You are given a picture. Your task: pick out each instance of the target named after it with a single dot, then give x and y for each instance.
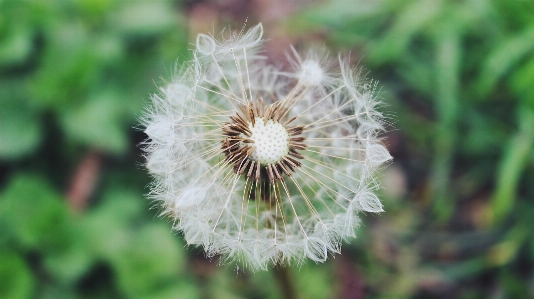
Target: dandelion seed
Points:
(261, 165)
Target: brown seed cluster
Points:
(238, 147)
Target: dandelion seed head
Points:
(262, 165)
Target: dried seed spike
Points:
(240, 116)
(298, 146)
(295, 161)
(282, 165)
(252, 116)
(251, 150)
(243, 128)
(273, 112)
(231, 158)
(276, 172)
(286, 110)
(267, 113)
(254, 106)
(244, 110)
(289, 164)
(295, 154)
(281, 114)
(290, 120)
(288, 159)
(251, 169)
(295, 133)
(244, 166)
(237, 167)
(247, 133)
(258, 169)
(240, 107)
(261, 107)
(291, 129)
(231, 132)
(297, 139)
(295, 130)
(297, 143)
(270, 172)
(239, 160)
(238, 121)
(276, 111)
(236, 155)
(227, 147)
(247, 113)
(257, 107)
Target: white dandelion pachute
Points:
(259, 164)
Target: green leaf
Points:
(143, 257)
(521, 83)
(16, 280)
(98, 123)
(15, 48)
(503, 58)
(182, 288)
(96, 7)
(20, 127)
(36, 214)
(72, 263)
(106, 228)
(69, 67)
(152, 256)
(336, 13)
(418, 72)
(413, 18)
(145, 17)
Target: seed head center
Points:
(270, 139)
(260, 144)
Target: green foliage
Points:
(458, 76)
(74, 75)
(20, 126)
(103, 113)
(36, 214)
(313, 281)
(16, 280)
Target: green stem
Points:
(285, 282)
(447, 62)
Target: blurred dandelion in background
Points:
(264, 165)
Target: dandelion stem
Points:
(84, 182)
(512, 165)
(283, 277)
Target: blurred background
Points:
(457, 79)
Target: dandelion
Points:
(259, 164)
